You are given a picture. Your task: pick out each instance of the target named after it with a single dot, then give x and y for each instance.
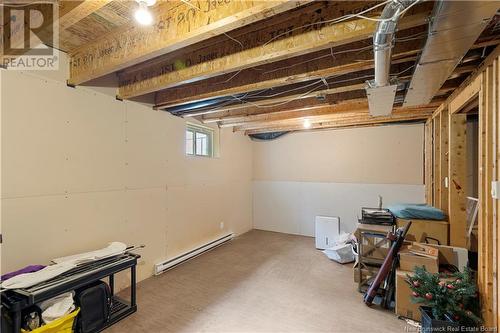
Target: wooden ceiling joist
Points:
(317, 113)
(302, 109)
(217, 114)
(342, 121)
(177, 26)
(79, 12)
(271, 105)
(70, 12)
(248, 81)
(206, 91)
(160, 77)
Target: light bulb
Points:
(142, 14)
(307, 123)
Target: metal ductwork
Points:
(453, 29)
(382, 90)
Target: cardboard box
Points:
(404, 306)
(408, 261)
(448, 255)
(421, 230)
(455, 256)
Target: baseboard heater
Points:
(171, 263)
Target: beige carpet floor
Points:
(260, 282)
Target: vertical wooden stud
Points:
(428, 163)
(458, 179)
(443, 164)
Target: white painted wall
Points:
(291, 207)
(335, 173)
(81, 169)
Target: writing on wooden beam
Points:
(157, 76)
(177, 25)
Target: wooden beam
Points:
(470, 81)
(458, 179)
(465, 96)
(162, 97)
(436, 139)
(283, 73)
(232, 109)
(317, 113)
(271, 105)
(496, 175)
(342, 116)
(78, 13)
(357, 121)
(301, 111)
(487, 162)
(177, 26)
(156, 78)
(70, 12)
(428, 157)
(443, 158)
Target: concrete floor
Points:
(260, 282)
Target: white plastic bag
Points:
(340, 253)
(57, 307)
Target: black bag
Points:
(94, 301)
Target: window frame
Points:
(197, 129)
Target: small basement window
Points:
(199, 141)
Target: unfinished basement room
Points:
(244, 166)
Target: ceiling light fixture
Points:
(142, 15)
(307, 123)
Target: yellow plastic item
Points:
(61, 325)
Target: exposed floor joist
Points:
(328, 36)
(178, 26)
(70, 12)
(254, 80)
(341, 121)
(289, 102)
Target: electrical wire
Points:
(320, 82)
(333, 21)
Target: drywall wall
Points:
(81, 169)
(291, 207)
(380, 155)
(335, 173)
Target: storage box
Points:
(422, 230)
(448, 255)
(408, 261)
(404, 306)
(455, 256)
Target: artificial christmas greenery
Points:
(454, 295)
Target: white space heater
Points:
(173, 262)
(327, 229)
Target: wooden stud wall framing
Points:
(436, 175)
(429, 186)
(443, 159)
(457, 171)
(445, 156)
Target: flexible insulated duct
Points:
(380, 91)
